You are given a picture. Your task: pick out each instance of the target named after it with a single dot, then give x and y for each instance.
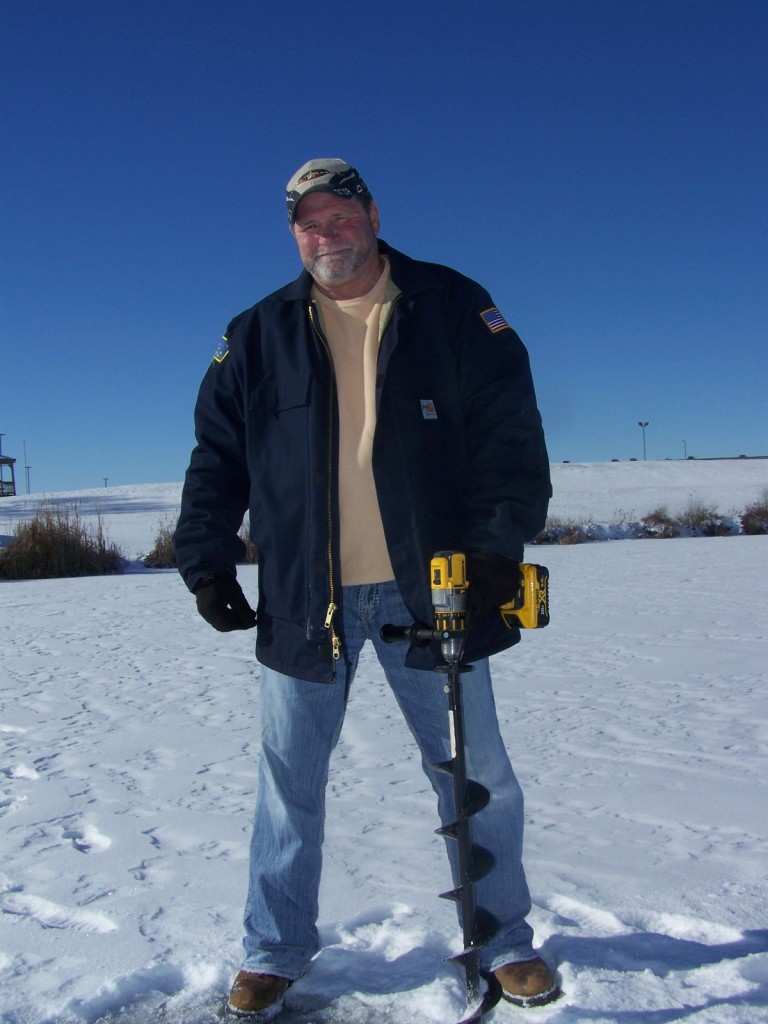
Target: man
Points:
(374, 411)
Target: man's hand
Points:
(492, 581)
(221, 602)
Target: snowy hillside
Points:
(637, 723)
(604, 493)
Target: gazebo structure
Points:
(7, 476)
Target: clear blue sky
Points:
(601, 166)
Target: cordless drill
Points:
(528, 609)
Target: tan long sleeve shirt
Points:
(353, 328)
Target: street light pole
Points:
(643, 424)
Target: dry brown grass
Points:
(754, 519)
(659, 523)
(251, 554)
(162, 555)
(56, 543)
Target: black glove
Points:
(221, 602)
(492, 581)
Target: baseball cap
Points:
(327, 175)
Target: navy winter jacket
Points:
(459, 458)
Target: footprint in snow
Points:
(20, 771)
(688, 953)
(87, 839)
(52, 915)
(9, 804)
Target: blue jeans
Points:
(300, 724)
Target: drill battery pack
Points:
(529, 609)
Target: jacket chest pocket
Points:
(278, 418)
(276, 396)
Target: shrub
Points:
(55, 543)
(697, 515)
(561, 531)
(624, 517)
(162, 555)
(251, 554)
(754, 519)
(703, 520)
(659, 523)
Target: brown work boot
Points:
(258, 997)
(530, 983)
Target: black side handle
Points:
(417, 633)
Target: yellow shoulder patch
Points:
(222, 351)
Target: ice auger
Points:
(529, 609)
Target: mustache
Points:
(325, 251)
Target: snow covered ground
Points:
(637, 723)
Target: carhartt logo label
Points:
(428, 410)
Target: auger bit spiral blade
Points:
(476, 795)
(490, 998)
(486, 926)
(481, 861)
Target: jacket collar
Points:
(408, 274)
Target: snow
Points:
(637, 723)
(628, 490)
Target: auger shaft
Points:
(529, 609)
(466, 887)
(473, 861)
(449, 585)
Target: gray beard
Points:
(342, 267)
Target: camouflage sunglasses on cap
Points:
(332, 175)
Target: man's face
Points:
(337, 243)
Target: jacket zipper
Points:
(332, 605)
(390, 313)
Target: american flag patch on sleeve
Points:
(494, 320)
